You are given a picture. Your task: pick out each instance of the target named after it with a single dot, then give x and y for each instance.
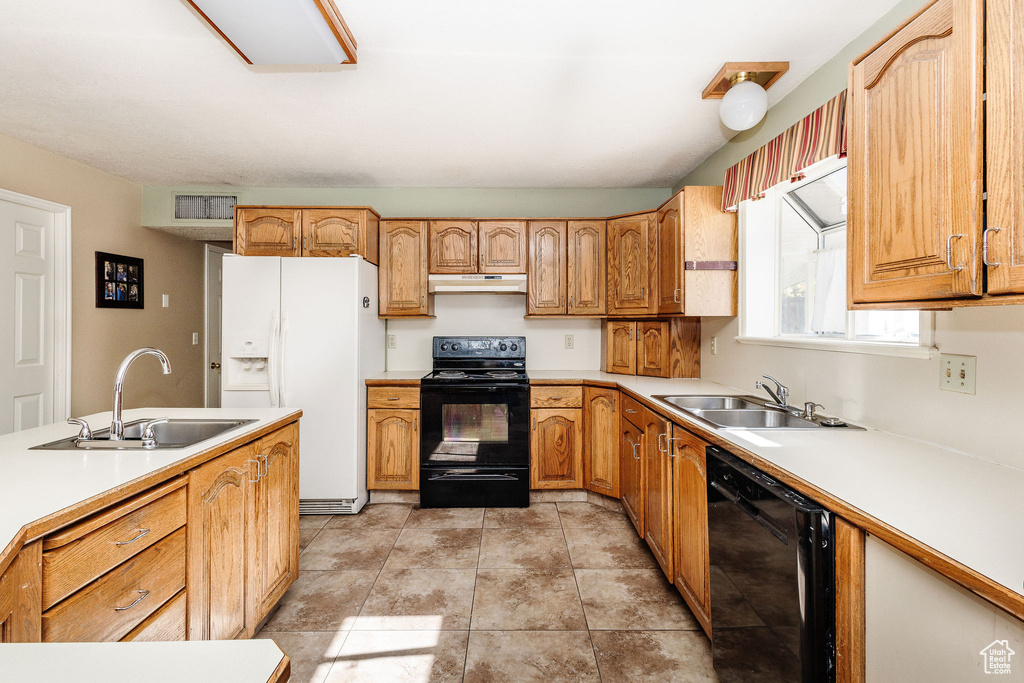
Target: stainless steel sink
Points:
(175, 433)
(754, 419)
(713, 402)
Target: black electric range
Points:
(475, 413)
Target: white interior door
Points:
(214, 306)
(27, 305)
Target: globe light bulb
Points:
(744, 105)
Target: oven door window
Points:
(475, 423)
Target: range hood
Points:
(483, 283)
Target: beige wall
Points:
(105, 216)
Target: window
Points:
(795, 238)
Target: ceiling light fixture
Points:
(741, 86)
(281, 31)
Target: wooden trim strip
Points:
(339, 28)
(219, 32)
(283, 672)
(850, 596)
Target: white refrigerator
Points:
(304, 333)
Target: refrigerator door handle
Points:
(273, 360)
(281, 389)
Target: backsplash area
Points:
(900, 395)
(496, 315)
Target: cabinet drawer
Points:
(91, 548)
(165, 624)
(632, 411)
(109, 608)
(393, 397)
(556, 397)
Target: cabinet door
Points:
(546, 279)
(620, 343)
(219, 499)
(556, 449)
(690, 508)
(1004, 129)
(630, 258)
(274, 565)
(915, 160)
(601, 445)
(21, 597)
(652, 349)
(452, 247)
(393, 449)
(709, 234)
(658, 462)
(403, 268)
(502, 247)
(670, 256)
(631, 472)
(587, 278)
(333, 232)
(268, 231)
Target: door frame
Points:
(207, 248)
(61, 297)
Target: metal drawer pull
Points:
(142, 532)
(949, 252)
(556, 398)
(394, 398)
(142, 596)
(984, 247)
(630, 411)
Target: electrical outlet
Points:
(195, 339)
(570, 341)
(392, 341)
(957, 373)
(714, 346)
(167, 300)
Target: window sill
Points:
(843, 346)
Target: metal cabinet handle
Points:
(142, 532)
(660, 448)
(675, 295)
(613, 405)
(415, 424)
(641, 292)
(949, 252)
(634, 445)
(423, 301)
(142, 596)
(984, 247)
(534, 423)
(258, 474)
(295, 243)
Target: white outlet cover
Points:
(167, 300)
(570, 341)
(958, 373)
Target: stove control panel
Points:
(480, 347)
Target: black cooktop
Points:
(479, 359)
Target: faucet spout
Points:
(116, 425)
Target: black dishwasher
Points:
(772, 577)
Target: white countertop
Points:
(36, 484)
(964, 507)
(216, 661)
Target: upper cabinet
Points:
(502, 247)
(546, 274)
(915, 156)
(403, 269)
(306, 231)
(586, 261)
(631, 257)
(453, 247)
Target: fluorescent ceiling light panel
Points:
(281, 31)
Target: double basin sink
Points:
(175, 433)
(742, 412)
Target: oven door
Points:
(473, 426)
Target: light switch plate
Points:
(195, 339)
(957, 373)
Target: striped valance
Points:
(817, 136)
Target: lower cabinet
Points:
(658, 464)
(601, 441)
(690, 519)
(556, 448)
(632, 449)
(21, 597)
(393, 449)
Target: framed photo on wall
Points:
(119, 281)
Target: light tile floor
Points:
(553, 592)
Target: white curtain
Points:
(829, 314)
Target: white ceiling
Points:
(447, 93)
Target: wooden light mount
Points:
(763, 73)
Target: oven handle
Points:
(473, 477)
(751, 511)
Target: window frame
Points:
(753, 300)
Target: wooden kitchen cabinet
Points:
(586, 267)
(502, 247)
(601, 441)
(632, 257)
(21, 597)
(545, 294)
(274, 523)
(453, 247)
(268, 231)
(691, 574)
(915, 160)
(653, 348)
(658, 465)
(556, 448)
(620, 347)
(403, 269)
(341, 231)
(632, 470)
(393, 449)
(656, 348)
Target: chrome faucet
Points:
(116, 426)
(780, 396)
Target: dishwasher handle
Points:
(751, 511)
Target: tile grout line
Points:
(579, 592)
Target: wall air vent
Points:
(204, 207)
